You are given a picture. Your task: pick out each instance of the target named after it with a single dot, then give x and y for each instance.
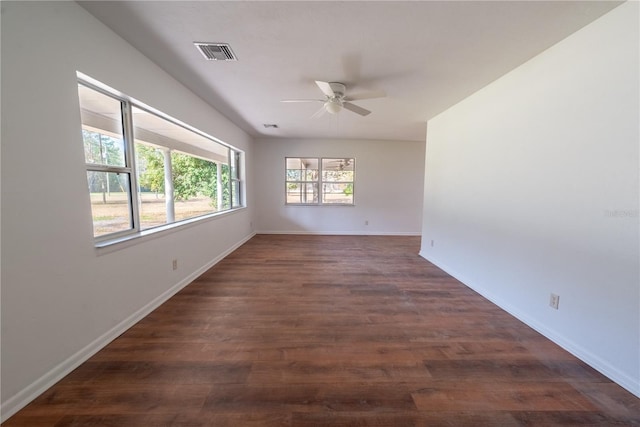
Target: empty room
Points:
(320, 213)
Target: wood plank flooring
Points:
(331, 331)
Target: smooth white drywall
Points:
(531, 187)
(388, 189)
(59, 294)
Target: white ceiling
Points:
(425, 55)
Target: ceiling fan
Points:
(336, 99)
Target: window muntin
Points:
(317, 181)
(178, 173)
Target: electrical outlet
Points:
(174, 264)
(366, 222)
(432, 243)
(554, 301)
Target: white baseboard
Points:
(605, 368)
(35, 389)
(346, 233)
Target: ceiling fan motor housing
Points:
(333, 104)
(338, 89)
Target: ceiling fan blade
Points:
(366, 95)
(358, 110)
(325, 88)
(302, 100)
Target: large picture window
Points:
(319, 181)
(145, 170)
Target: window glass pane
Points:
(151, 201)
(302, 193)
(155, 130)
(194, 185)
(293, 163)
(310, 168)
(337, 176)
(294, 175)
(235, 160)
(226, 195)
(236, 197)
(101, 128)
(194, 170)
(301, 169)
(110, 202)
(301, 163)
(235, 192)
(101, 149)
(310, 164)
(338, 170)
(335, 193)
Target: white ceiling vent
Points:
(216, 51)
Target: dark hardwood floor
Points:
(331, 331)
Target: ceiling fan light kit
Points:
(333, 106)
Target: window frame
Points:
(130, 167)
(194, 154)
(129, 161)
(319, 182)
(235, 180)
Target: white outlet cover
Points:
(554, 301)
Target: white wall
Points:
(61, 298)
(531, 187)
(388, 189)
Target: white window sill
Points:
(316, 205)
(121, 242)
